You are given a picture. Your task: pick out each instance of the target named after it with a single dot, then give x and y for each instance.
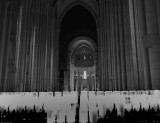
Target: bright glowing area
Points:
(57, 106)
(85, 74)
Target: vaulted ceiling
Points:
(82, 52)
(77, 21)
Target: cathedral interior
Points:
(63, 45)
(80, 60)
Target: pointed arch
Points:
(80, 43)
(64, 9)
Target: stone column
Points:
(134, 66)
(152, 30)
(123, 82)
(101, 48)
(139, 21)
(55, 33)
(129, 40)
(104, 32)
(3, 39)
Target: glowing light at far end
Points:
(85, 74)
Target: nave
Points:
(92, 106)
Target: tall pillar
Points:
(103, 36)
(26, 76)
(109, 79)
(56, 47)
(130, 51)
(139, 32)
(112, 79)
(123, 81)
(45, 73)
(117, 51)
(100, 48)
(49, 46)
(54, 53)
(99, 66)
(114, 55)
(7, 47)
(33, 62)
(134, 66)
(36, 27)
(28, 36)
(106, 30)
(2, 43)
(152, 29)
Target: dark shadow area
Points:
(149, 115)
(142, 115)
(23, 115)
(77, 18)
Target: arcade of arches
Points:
(82, 64)
(55, 45)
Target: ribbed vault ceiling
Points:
(78, 21)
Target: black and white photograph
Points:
(79, 61)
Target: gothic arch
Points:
(66, 7)
(82, 57)
(82, 38)
(82, 41)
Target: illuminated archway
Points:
(77, 21)
(82, 63)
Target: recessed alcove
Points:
(77, 22)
